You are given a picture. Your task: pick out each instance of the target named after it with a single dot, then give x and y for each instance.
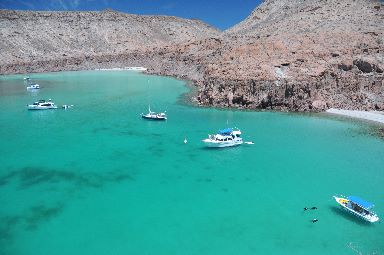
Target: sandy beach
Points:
(375, 116)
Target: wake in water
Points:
(356, 250)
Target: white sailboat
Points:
(154, 115)
(31, 85)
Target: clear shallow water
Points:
(97, 179)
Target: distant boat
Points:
(224, 138)
(42, 105)
(358, 207)
(31, 85)
(153, 115)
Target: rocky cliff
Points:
(307, 55)
(304, 55)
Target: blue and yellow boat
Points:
(358, 207)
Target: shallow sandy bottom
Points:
(372, 115)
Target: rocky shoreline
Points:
(287, 56)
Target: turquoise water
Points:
(97, 179)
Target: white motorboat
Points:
(224, 138)
(42, 105)
(358, 207)
(153, 115)
(31, 85)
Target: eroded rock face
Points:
(305, 55)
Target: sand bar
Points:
(371, 115)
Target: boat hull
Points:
(153, 118)
(215, 144)
(343, 202)
(33, 87)
(34, 107)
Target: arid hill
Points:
(32, 37)
(304, 55)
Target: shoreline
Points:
(127, 68)
(375, 116)
(372, 116)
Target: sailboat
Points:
(31, 85)
(154, 115)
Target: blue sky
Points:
(219, 13)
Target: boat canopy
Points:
(361, 202)
(226, 131)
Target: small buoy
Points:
(67, 106)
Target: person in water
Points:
(312, 208)
(314, 220)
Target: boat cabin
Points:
(359, 205)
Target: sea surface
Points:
(98, 179)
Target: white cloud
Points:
(28, 4)
(74, 4)
(59, 4)
(168, 6)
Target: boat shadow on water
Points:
(342, 213)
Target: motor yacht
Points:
(224, 138)
(42, 105)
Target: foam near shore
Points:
(375, 116)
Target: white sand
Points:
(128, 68)
(372, 115)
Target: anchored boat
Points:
(224, 138)
(31, 85)
(42, 105)
(153, 115)
(358, 207)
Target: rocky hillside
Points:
(41, 36)
(304, 55)
(274, 17)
